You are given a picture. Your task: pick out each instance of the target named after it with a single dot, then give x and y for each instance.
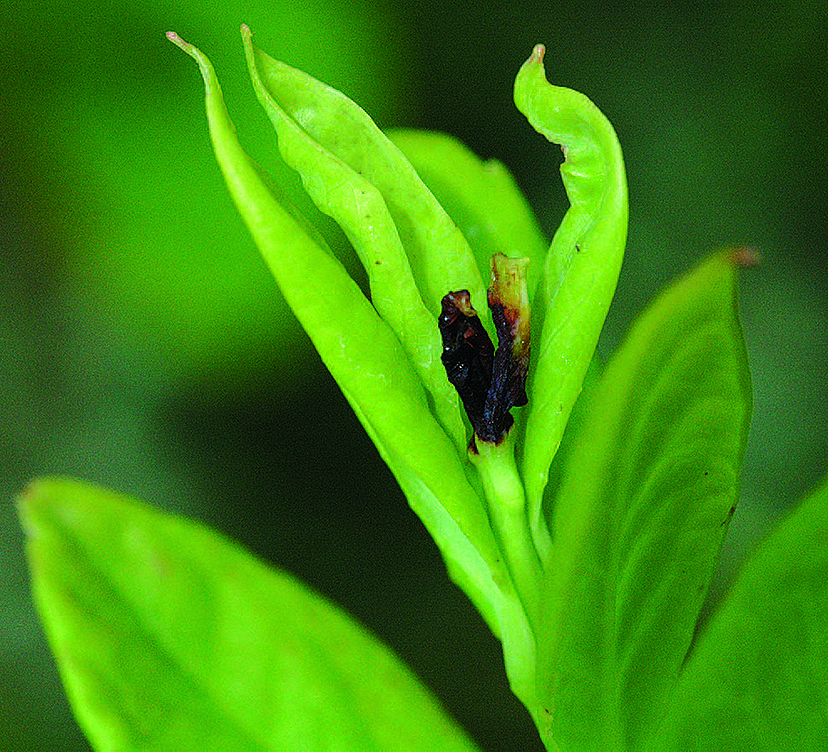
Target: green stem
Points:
(506, 501)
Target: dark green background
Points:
(145, 347)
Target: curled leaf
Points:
(580, 271)
(355, 200)
(381, 362)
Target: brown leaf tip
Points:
(745, 257)
(538, 51)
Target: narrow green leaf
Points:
(358, 347)
(647, 493)
(360, 210)
(480, 196)
(758, 678)
(580, 271)
(170, 637)
(438, 253)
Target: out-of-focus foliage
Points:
(108, 302)
(170, 636)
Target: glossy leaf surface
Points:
(169, 636)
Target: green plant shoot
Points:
(581, 507)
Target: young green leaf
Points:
(169, 636)
(579, 274)
(481, 197)
(438, 253)
(360, 349)
(647, 492)
(357, 346)
(358, 206)
(758, 678)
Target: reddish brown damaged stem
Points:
(489, 383)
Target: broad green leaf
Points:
(480, 196)
(170, 637)
(439, 255)
(360, 210)
(648, 490)
(580, 271)
(758, 678)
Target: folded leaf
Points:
(170, 637)
(438, 253)
(647, 492)
(358, 347)
(580, 271)
(758, 678)
(358, 206)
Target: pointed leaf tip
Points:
(186, 47)
(150, 618)
(175, 39)
(538, 51)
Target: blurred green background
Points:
(145, 347)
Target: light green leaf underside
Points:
(439, 255)
(169, 636)
(359, 208)
(580, 270)
(645, 499)
(758, 678)
(358, 347)
(480, 196)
